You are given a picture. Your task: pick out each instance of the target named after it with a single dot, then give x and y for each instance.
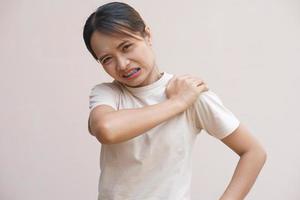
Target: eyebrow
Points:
(119, 46)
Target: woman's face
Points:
(128, 60)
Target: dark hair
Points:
(115, 18)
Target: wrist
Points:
(178, 104)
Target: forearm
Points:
(125, 124)
(245, 174)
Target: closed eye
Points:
(105, 60)
(126, 47)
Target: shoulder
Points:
(209, 96)
(113, 87)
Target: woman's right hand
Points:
(185, 89)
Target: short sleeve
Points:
(103, 93)
(216, 119)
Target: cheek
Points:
(111, 66)
(144, 55)
(109, 69)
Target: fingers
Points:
(198, 83)
(194, 80)
(202, 88)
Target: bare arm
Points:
(118, 126)
(252, 158)
(111, 126)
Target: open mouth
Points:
(133, 72)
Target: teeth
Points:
(132, 72)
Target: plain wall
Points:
(247, 52)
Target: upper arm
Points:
(103, 99)
(96, 121)
(213, 116)
(241, 141)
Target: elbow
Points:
(103, 135)
(264, 155)
(261, 154)
(257, 153)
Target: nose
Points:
(123, 62)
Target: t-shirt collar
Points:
(162, 81)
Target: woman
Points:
(147, 120)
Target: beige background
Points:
(247, 52)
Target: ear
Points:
(148, 36)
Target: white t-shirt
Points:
(156, 165)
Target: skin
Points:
(134, 53)
(106, 122)
(252, 158)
